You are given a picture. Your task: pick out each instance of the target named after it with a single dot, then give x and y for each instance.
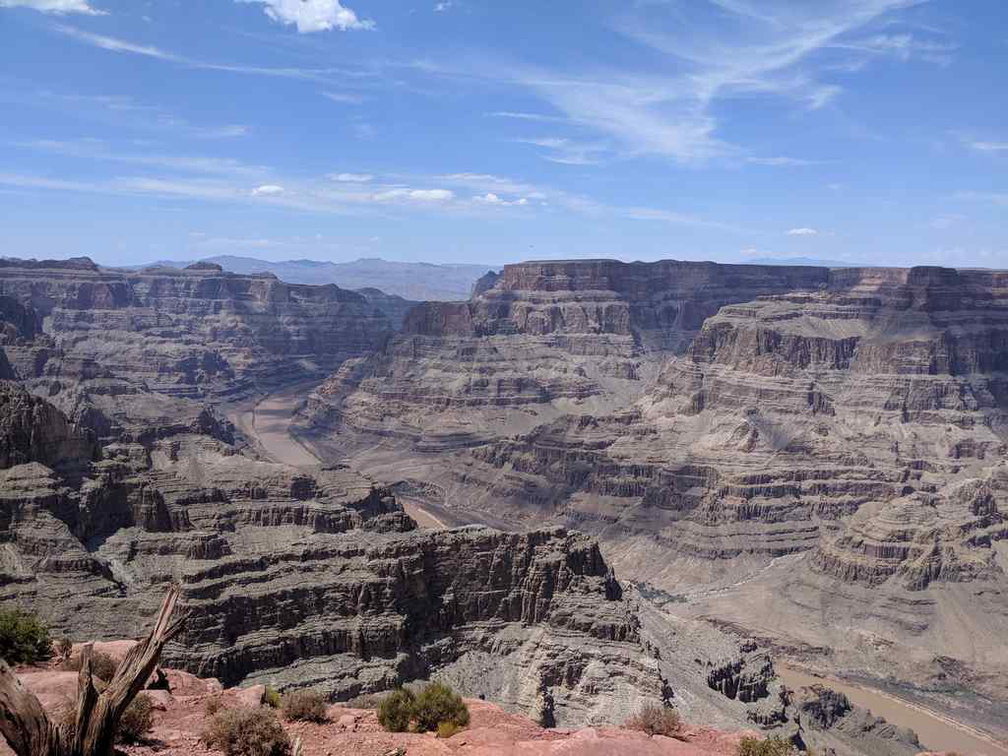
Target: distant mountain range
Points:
(413, 281)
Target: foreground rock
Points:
(180, 716)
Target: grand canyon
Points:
(590, 486)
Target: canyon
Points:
(666, 476)
(813, 457)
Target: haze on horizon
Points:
(861, 131)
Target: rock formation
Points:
(316, 578)
(819, 445)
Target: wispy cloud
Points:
(567, 151)
(118, 45)
(313, 15)
(781, 162)
(352, 178)
(803, 231)
(346, 98)
(994, 198)
(113, 44)
(990, 146)
(455, 194)
(55, 6)
(519, 116)
(720, 50)
(121, 112)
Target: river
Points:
(935, 731)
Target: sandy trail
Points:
(269, 420)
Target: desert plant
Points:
(396, 710)
(655, 719)
(64, 647)
(271, 697)
(247, 732)
(212, 705)
(137, 720)
(304, 706)
(24, 638)
(774, 746)
(438, 703)
(28, 729)
(447, 729)
(103, 666)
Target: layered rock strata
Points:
(836, 443)
(316, 578)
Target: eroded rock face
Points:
(316, 578)
(713, 424)
(192, 332)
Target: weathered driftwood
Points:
(30, 732)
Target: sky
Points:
(859, 131)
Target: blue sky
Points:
(866, 131)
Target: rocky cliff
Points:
(123, 352)
(830, 439)
(317, 578)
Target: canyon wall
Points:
(831, 439)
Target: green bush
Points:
(24, 638)
(447, 729)
(396, 710)
(247, 732)
(438, 703)
(656, 720)
(775, 746)
(304, 706)
(137, 720)
(271, 697)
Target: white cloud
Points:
(493, 199)
(780, 162)
(268, 190)
(54, 6)
(803, 231)
(312, 15)
(443, 6)
(415, 195)
(990, 146)
(344, 97)
(351, 178)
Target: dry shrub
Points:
(64, 647)
(212, 706)
(271, 697)
(247, 732)
(304, 706)
(137, 720)
(396, 710)
(775, 746)
(656, 720)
